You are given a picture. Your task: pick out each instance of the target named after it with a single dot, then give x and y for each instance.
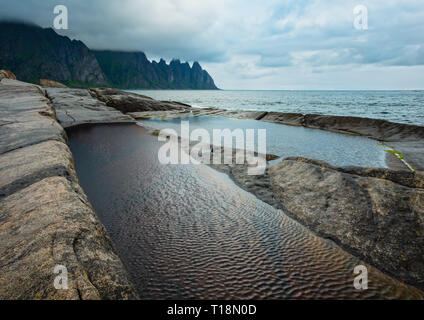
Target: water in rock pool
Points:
(186, 231)
(285, 141)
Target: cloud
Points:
(249, 42)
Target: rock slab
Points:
(46, 219)
(77, 106)
(132, 102)
(378, 213)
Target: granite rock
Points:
(77, 106)
(377, 213)
(7, 74)
(132, 102)
(45, 83)
(46, 219)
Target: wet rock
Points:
(132, 102)
(45, 83)
(372, 128)
(160, 114)
(412, 150)
(292, 119)
(378, 213)
(77, 106)
(51, 223)
(252, 115)
(45, 217)
(259, 185)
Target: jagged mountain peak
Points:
(123, 71)
(35, 53)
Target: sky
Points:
(250, 44)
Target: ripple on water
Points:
(188, 232)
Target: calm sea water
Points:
(396, 106)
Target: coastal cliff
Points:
(34, 53)
(46, 218)
(132, 70)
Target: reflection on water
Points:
(285, 141)
(186, 231)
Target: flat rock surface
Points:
(77, 106)
(26, 116)
(378, 213)
(132, 102)
(176, 113)
(45, 217)
(253, 115)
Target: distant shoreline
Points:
(405, 107)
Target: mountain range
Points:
(33, 53)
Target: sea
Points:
(396, 106)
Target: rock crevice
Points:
(45, 217)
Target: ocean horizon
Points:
(212, 158)
(401, 106)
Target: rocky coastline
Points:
(46, 218)
(373, 213)
(378, 212)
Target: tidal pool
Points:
(188, 232)
(285, 141)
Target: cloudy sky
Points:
(250, 44)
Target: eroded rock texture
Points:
(378, 213)
(77, 106)
(6, 74)
(33, 53)
(132, 102)
(46, 83)
(45, 217)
